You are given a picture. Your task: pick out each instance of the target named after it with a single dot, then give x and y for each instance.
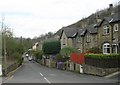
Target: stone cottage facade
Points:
(104, 34)
(68, 37)
(108, 34)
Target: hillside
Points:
(92, 18)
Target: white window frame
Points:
(106, 47)
(106, 29)
(115, 47)
(115, 27)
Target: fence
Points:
(77, 58)
(103, 63)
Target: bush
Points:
(51, 47)
(38, 54)
(103, 60)
(61, 58)
(67, 50)
(103, 56)
(95, 50)
(17, 57)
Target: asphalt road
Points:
(32, 72)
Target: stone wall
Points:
(48, 62)
(88, 69)
(10, 68)
(68, 65)
(53, 64)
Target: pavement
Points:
(32, 72)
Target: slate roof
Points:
(111, 19)
(92, 29)
(115, 17)
(82, 32)
(70, 32)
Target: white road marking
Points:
(47, 80)
(41, 74)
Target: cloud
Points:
(31, 18)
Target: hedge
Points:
(51, 47)
(103, 56)
(103, 60)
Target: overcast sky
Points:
(30, 18)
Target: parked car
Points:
(27, 55)
(30, 58)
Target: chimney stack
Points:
(111, 9)
(110, 6)
(98, 19)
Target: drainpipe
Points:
(83, 44)
(111, 38)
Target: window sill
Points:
(115, 30)
(87, 41)
(106, 34)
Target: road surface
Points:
(32, 72)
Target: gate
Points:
(77, 58)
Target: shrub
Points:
(61, 58)
(95, 50)
(67, 50)
(17, 57)
(103, 60)
(51, 47)
(38, 54)
(103, 56)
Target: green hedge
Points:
(103, 56)
(51, 47)
(103, 60)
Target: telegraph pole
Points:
(4, 46)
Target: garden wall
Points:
(9, 69)
(101, 65)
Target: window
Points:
(115, 27)
(106, 29)
(88, 38)
(64, 41)
(106, 48)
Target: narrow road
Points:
(32, 72)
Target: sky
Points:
(31, 18)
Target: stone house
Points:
(68, 37)
(115, 23)
(90, 38)
(104, 35)
(108, 34)
(81, 39)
